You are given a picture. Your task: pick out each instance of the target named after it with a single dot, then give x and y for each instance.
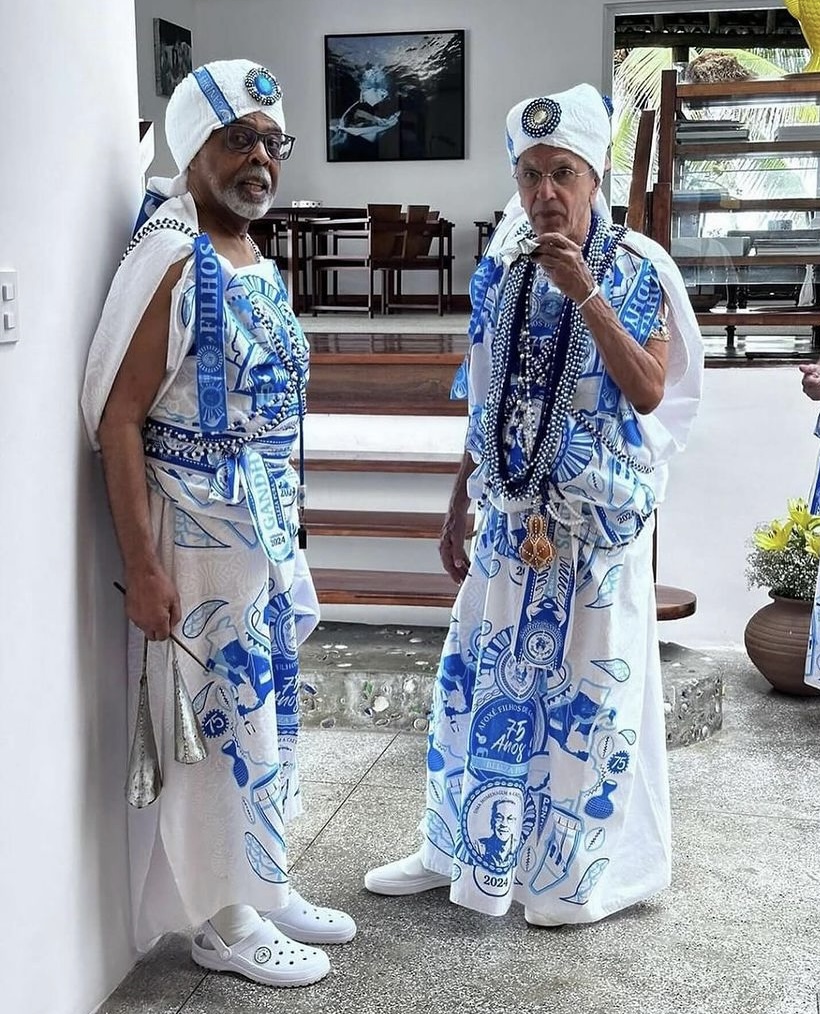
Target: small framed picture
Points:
(394, 96)
(172, 55)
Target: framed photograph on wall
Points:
(395, 96)
(172, 55)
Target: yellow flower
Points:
(801, 515)
(775, 537)
(813, 544)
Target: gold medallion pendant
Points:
(536, 550)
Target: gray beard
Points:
(250, 210)
(233, 200)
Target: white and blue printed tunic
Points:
(223, 508)
(546, 767)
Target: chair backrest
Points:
(417, 237)
(386, 224)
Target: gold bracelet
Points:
(660, 333)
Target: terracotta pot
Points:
(777, 637)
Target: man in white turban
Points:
(194, 393)
(583, 378)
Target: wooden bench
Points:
(411, 375)
(383, 587)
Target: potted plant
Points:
(783, 557)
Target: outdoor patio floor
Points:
(737, 933)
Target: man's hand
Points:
(811, 380)
(564, 262)
(152, 603)
(451, 544)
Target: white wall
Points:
(67, 196)
(752, 448)
(515, 49)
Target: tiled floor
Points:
(738, 932)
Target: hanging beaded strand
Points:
(560, 380)
(541, 440)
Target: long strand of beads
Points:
(622, 456)
(561, 377)
(154, 225)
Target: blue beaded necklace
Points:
(561, 373)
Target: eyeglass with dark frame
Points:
(564, 176)
(241, 137)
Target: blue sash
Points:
(265, 506)
(210, 354)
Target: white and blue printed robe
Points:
(546, 767)
(216, 836)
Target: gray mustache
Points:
(262, 178)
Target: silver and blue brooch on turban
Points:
(262, 86)
(540, 117)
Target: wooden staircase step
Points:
(376, 524)
(382, 461)
(674, 603)
(383, 587)
(399, 588)
(385, 374)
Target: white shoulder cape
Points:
(132, 289)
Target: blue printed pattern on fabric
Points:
(233, 520)
(533, 732)
(205, 452)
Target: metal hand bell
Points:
(144, 782)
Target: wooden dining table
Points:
(297, 219)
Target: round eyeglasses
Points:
(564, 177)
(242, 138)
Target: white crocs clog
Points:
(404, 876)
(310, 924)
(266, 956)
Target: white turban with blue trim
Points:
(214, 95)
(577, 119)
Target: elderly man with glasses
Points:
(195, 394)
(582, 379)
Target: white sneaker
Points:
(404, 876)
(536, 919)
(266, 956)
(310, 924)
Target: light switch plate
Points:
(9, 307)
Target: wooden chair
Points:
(378, 241)
(422, 229)
(271, 236)
(485, 232)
